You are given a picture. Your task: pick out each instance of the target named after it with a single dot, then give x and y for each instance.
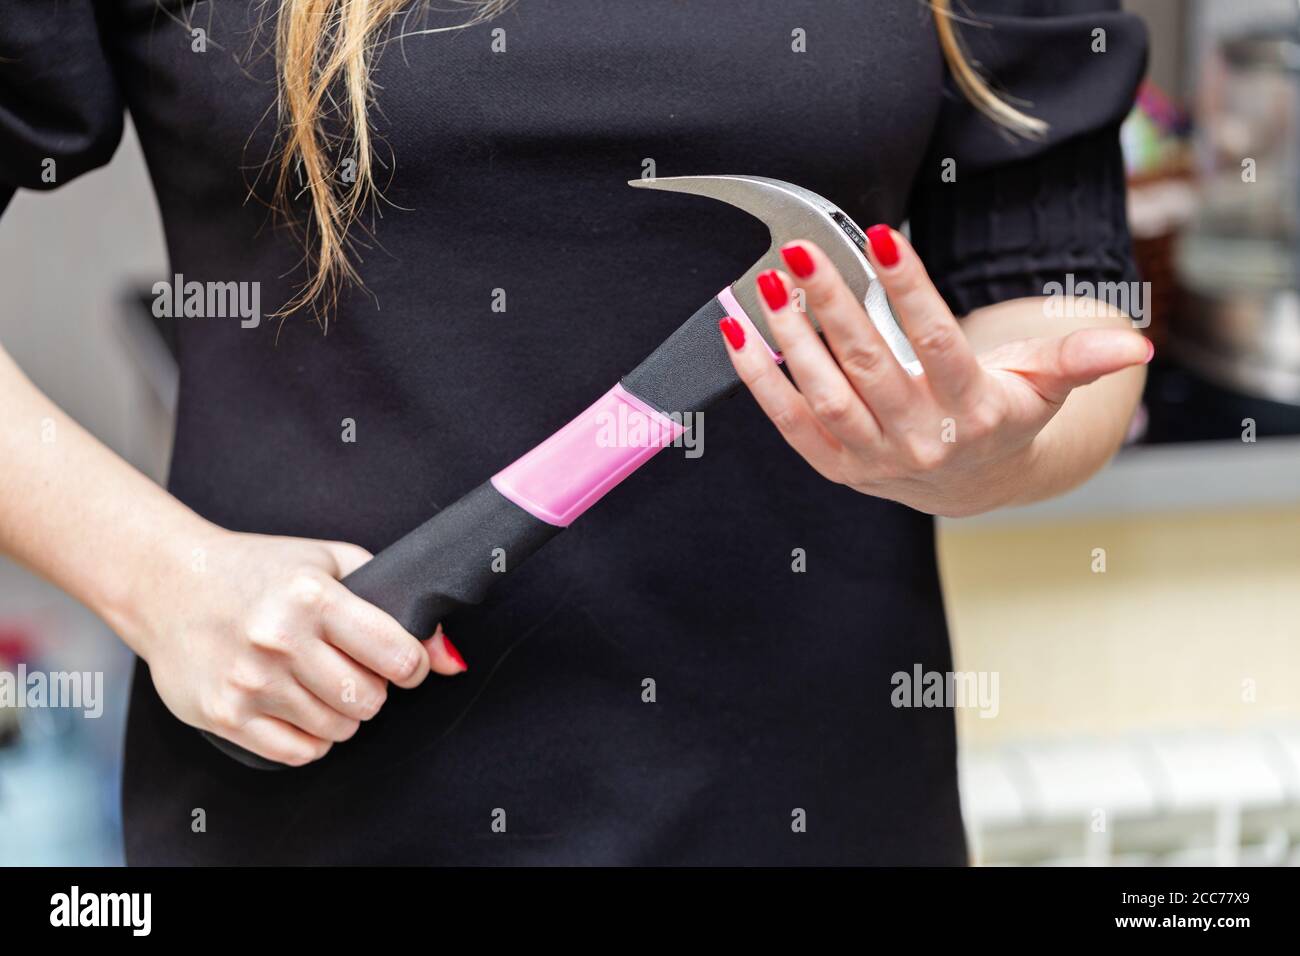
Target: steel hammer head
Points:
(791, 212)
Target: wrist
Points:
(1027, 474)
(1006, 482)
(136, 603)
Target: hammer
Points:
(447, 562)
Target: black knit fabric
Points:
(1024, 212)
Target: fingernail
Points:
(452, 652)
(1151, 351)
(883, 248)
(799, 261)
(733, 332)
(774, 294)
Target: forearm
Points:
(1091, 425)
(76, 513)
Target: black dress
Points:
(508, 169)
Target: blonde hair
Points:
(973, 86)
(324, 55)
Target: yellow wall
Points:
(1190, 607)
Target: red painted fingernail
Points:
(797, 258)
(733, 332)
(774, 294)
(452, 652)
(882, 245)
(1151, 350)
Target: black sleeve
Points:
(61, 111)
(1022, 213)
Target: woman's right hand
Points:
(257, 641)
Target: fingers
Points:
(277, 740)
(334, 692)
(340, 682)
(295, 705)
(385, 645)
(372, 638)
(858, 346)
(819, 378)
(1054, 367)
(779, 400)
(444, 658)
(949, 362)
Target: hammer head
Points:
(791, 212)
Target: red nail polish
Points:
(1151, 350)
(882, 245)
(774, 294)
(452, 652)
(797, 258)
(734, 333)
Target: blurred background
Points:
(1150, 712)
(1144, 630)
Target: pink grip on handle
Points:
(574, 468)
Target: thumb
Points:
(1056, 366)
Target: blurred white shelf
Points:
(1154, 479)
(1181, 798)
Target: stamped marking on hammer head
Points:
(791, 212)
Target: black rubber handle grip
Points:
(448, 562)
(451, 560)
(690, 371)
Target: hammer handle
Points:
(453, 558)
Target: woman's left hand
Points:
(957, 440)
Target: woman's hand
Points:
(962, 438)
(255, 640)
(250, 637)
